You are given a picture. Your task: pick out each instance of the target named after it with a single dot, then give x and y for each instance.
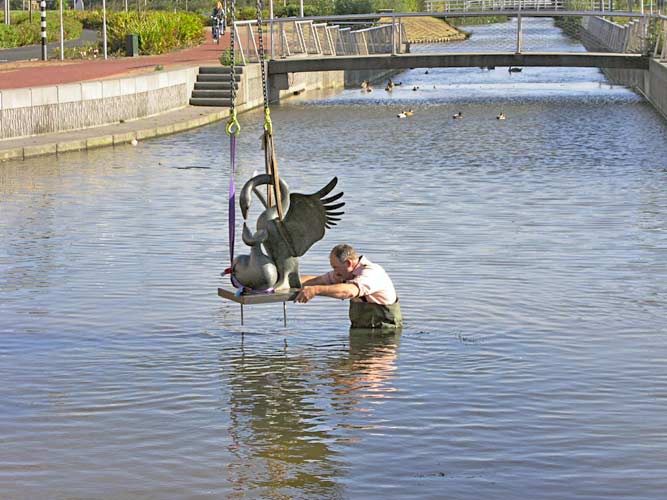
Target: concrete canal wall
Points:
(72, 106)
(29, 112)
(603, 35)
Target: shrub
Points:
(226, 58)
(8, 36)
(88, 51)
(23, 32)
(354, 7)
(159, 32)
(90, 19)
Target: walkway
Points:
(53, 72)
(40, 73)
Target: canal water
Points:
(529, 254)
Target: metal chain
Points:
(233, 126)
(261, 56)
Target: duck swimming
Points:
(501, 116)
(514, 69)
(390, 85)
(457, 115)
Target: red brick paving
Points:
(53, 72)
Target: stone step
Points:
(211, 94)
(215, 77)
(214, 86)
(204, 101)
(219, 70)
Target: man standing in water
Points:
(373, 299)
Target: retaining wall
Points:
(601, 34)
(58, 108)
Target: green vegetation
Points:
(474, 21)
(159, 32)
(23, 32)
(226, 58)
(88, 51)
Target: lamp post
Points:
(104, 27)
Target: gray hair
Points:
(343, 252)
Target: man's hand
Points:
(306, 294)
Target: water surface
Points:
(529, 256)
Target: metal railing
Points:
(306, 37)
(491, 5)
(370, 34)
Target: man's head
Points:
(343, 259)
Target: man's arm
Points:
(313, 280)
(337, 291)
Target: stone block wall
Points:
(57, 108)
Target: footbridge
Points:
(361, 42)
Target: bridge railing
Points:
(292, 37)
(492, 5)
(366, 35)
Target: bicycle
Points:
(218, 28)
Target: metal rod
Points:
(284, 314)
(241, 314)
(518, 35)
(62, 34)
(104, 27)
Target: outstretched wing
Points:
(310, 215)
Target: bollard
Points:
(42, 7)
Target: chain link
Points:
(233, 126)
(261, 57)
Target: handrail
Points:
(480, 13)
(322, 36)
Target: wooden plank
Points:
(287, 295)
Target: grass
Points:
(429, 30)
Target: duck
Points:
(457, 115)
(415, 88)
(402, 114)
(512, 69)
(390, 85)
(501, 116)
(409, 112)
(134, 141)
(366, 86)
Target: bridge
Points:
(360, 42)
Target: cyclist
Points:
(218, 16)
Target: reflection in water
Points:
(365, 375)
(529, 253)
(288, 413)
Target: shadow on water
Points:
(288, 412)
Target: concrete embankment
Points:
(600, 34)
(85, 115)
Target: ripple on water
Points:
(529, 256)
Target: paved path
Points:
(54, 72)
(31, 52)
(119, 134)
(37, 74)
